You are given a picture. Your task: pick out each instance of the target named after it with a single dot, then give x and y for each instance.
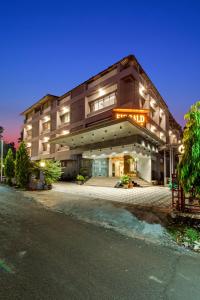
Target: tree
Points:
(189, 166)
(9, 166)
(22, 166)
(52, 171)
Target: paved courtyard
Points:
(97, 205)
(148, 196)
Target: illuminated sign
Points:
(181, 149)
(137, 115)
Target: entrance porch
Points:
(116, 164)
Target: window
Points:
(103, 102)
(46, 126)
(64, 118)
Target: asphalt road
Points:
(47, 255)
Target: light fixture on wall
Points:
(101, 92)
(141, 89)
(65, 132)
(46, 118)
(153, 102)
(45, 139)
(29, 127)
(65, 109)
(181, 149)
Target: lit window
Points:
(141, 89)
(46, 126)
(103, 102)
(152, 102)
(65, 118)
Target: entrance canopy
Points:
(108, 131)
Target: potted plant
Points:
(125, 181)
(80, 179)
(130, 184)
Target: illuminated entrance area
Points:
(116, 164)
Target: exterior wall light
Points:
(153, 128)
(46, 118)
(141, 89)
(181, 149)
(152, 102)
(65, 132)
(101, 92)
(46, 139)
(29, 127)
(65, 109)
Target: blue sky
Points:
(51, 46)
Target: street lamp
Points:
(42, 164)
(1, 138)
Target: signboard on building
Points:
(137, 115)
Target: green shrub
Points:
(22, 166)
(173, 185)
(9, 166)
(192, 235)
(80, 177)
(52, 171)
(189, 166)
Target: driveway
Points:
(148, 196)
(107, 207)
(45, 255)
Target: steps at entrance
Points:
(141, 182)
(111, 181)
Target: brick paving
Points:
(148, 196)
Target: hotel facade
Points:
(114, 123)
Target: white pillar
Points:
(110, 167)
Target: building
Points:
(114, 123)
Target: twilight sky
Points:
(51, 46)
